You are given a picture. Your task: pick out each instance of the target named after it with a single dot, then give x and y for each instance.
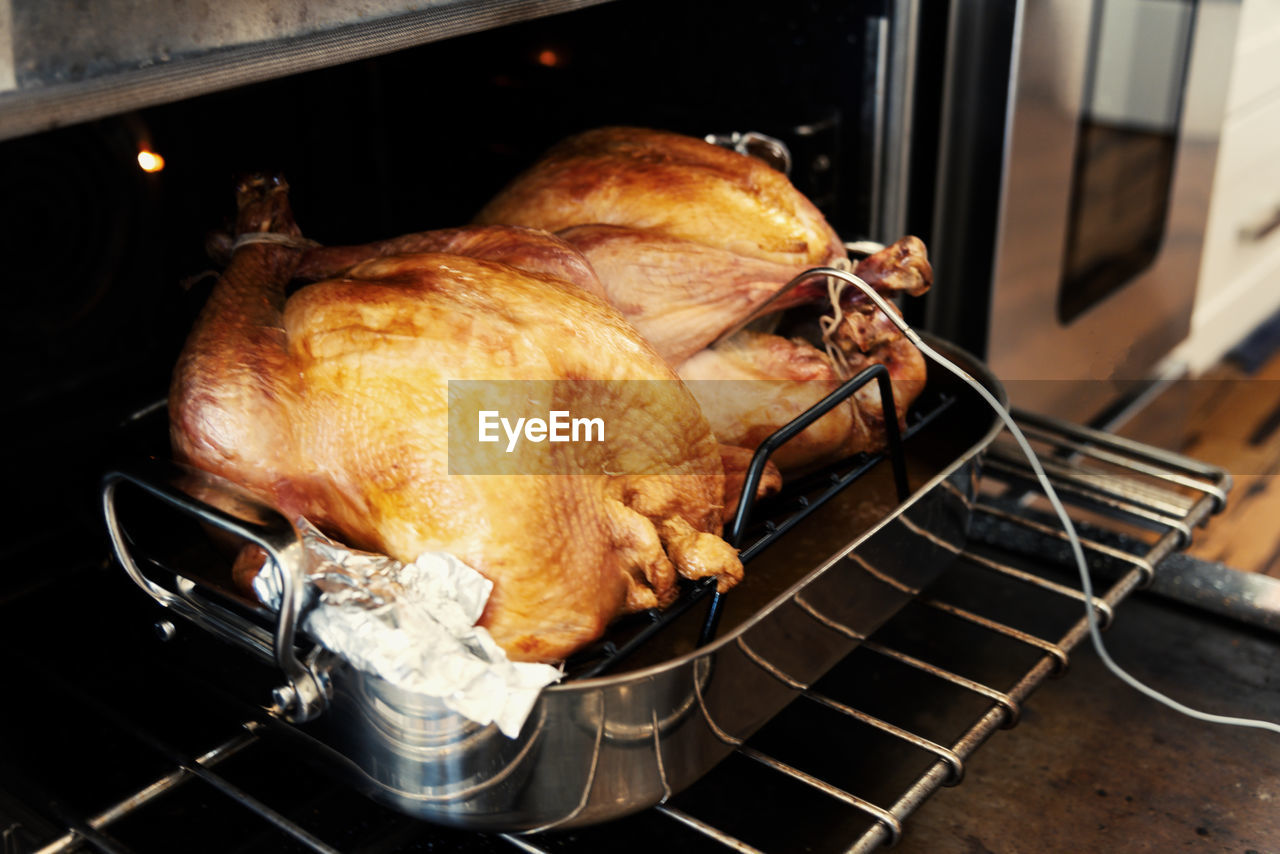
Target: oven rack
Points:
(1134, 506)
(797, 500)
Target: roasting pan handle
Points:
(215, 501)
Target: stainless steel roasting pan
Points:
(594, 748)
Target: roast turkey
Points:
(689, 240)
(334, 404)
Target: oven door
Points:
(1110, 113)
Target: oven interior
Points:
(109, 258)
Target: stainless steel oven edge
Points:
(1041, 99)
(59, 67)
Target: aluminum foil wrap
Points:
(415, 626)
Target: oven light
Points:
(150, 161)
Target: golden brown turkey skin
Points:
(334, 405)
(753, 383)
(680, 294)
(673, 185)
(678, 320)
(526, 248)
(689, 240)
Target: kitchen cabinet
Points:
(1239, 281)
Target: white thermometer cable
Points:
(1077, 550)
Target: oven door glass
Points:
(1126, 147)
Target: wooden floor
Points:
(1229, 416)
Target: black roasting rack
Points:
(784, 512)
(180, 764)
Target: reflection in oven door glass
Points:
(1125, 149)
